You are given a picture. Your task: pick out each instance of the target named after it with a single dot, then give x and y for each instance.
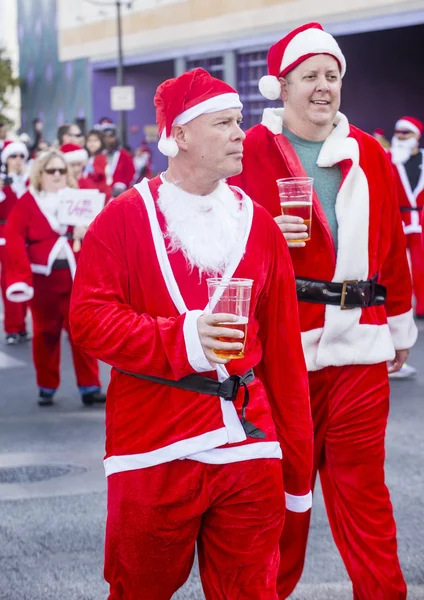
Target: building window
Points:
(251, 66)
(213, 64)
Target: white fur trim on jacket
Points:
(412, 195)
(298, 504)
(19, 292)
(403, 330)
(343, 339)
(196, 356)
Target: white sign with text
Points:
(80, 207)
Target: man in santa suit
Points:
(121, 168)
(408, 160)
(185, 461)
(354, 260)
(13, 184)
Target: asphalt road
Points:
(52, 530)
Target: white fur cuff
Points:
(19, 292)
(195, 355)
(298, 504)
(403, 330)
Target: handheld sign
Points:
(80, 207)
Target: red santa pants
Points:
(416, 252)
(350, 407)
(14, 312)
(50, 314)
(155, 516)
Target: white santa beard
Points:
(205, 228)
(401, 150)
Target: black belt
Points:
(349, 294)
(227, 389)
(411, 208)
(60, 263)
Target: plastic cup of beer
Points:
(296, 200)
(231, 296)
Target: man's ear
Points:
(179, 134)
(284, 91)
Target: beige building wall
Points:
(154, 25)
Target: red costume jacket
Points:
(370, 241)
(8, 199)
(122, 169)
(136, 307)
(409, 198)
(34, 239)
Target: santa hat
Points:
(105, 124)
(410, 124)
(10, 147)
(378, 131)
(297, 46)
(178, 101)
(72, 153)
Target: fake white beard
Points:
(205, 228)
(401, 150)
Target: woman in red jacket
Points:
(40, 266)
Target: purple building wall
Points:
(384, 77)
(145, 79)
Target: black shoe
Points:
(24, 337)
(97, 397)
(45, 398)
(12, 339)
(419, 317)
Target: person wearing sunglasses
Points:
(40, 266)
(408, 160)
(13, 183)
(120, 162)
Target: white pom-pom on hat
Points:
(167, 145)
(270, 87)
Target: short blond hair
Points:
(41, 163)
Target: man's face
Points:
(404, 134)
(110, 139)
(74, 136)
(76, 169)
(312, 90)
(214, 143)
(16, 163)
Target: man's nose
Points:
(239, 133)
(322, 83)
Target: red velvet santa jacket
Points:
(136, 307)
(409, 198)
(122, 168)
(34, 239)
(370, 241)
(95, 177)
(8, 198)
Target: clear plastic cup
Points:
(296, 200)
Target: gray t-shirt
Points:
(327, 180)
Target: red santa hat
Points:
(297, 46)
(10, 147)
(180, 100)
(105, 124)
(73, 153)
(410, 124)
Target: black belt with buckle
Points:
(411, 208)
(60, 263)
(348, 294)
(226, 389)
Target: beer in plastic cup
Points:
(231, 296)
(296, 200)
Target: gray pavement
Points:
(52, 531)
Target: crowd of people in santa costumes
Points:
(354, 293)
(39, 268)
(13, 183)
(188, 457)
(408, 160)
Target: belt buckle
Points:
(344, 292)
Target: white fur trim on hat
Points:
(270, 87)
(312, 41)
(168, 146)
(76, 156)
(405, 124)
(14, 148)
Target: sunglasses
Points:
(75, 134)
(17, 156)
(403, 131)
(61, 171)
